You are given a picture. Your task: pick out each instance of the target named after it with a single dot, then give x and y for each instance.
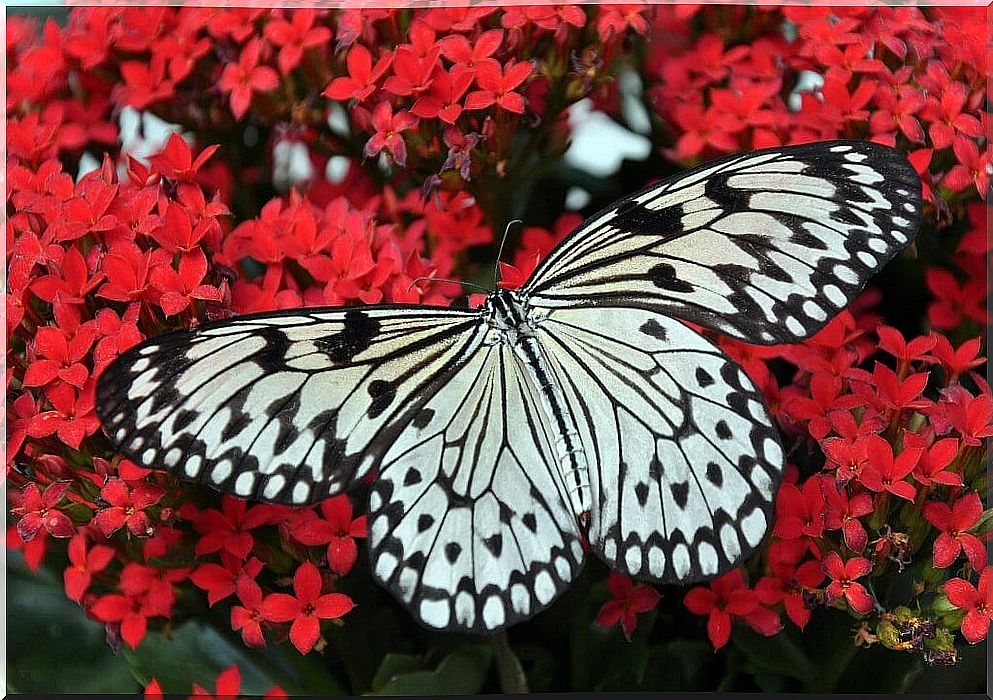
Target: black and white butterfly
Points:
(576, 406)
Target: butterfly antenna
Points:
(427, 278)
(499, 257)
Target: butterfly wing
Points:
(684, 461)
(765, 246)
(288, 407)
(468, 522)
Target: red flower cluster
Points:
(882, 74)
(432, 119)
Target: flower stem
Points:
(512, 678)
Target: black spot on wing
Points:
(654, 329)
(714, 474)
(382, 393)
(356, 335)
(452, 551)
(663, 276)
(680, 493)
(423, 417)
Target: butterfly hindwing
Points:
(468, 520)
(684, 460)
(764, 246)
(287, 407)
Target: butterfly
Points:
(575, 413)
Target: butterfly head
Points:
(506, 310)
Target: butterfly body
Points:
(517, 326)
(578, 407)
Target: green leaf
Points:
(196, 652)
(462, 672)
(681, 665)
(394, 665)
(46, 631)
(780, 654)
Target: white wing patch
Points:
(469, 525)
(282, 407)
(765, 247)
(684, 459)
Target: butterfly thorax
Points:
(508, 313)
(510, 317)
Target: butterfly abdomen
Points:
(569, 449)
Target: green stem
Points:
(832, 667)
(512, 678)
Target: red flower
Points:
(127, 507)
(977, 602)
(843, 581)
(957, 361)
(629, 600)
(972, 169)
(228, 685)
(886, 391)
(36, 510)
(337, 530)
(295, 35)
(220, 580)
(934, 460)
(62, 355)
(497, 87)
(843, 512)
(307, 608)
(176, 161)
(702, 128)
(897, 110)
(825, 396)
(180, 288)
(884, 473)
(457, 49)
(84, 564)
(971, 416)
(247, 618)
(127, 268)
(954, 302)
(245, 77)
(388, 128)
(947, 118)
(412, 74)
(728, 597)
(954, 522)
(892, 341)
(229, 528)
(788, 585)
(442, 101)
(70, 282)
(362, 76)
(800, 511)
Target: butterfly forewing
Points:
(469, 525)
(684, 459)
(288, 407)
(765, 247)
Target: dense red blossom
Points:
(887, 418)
